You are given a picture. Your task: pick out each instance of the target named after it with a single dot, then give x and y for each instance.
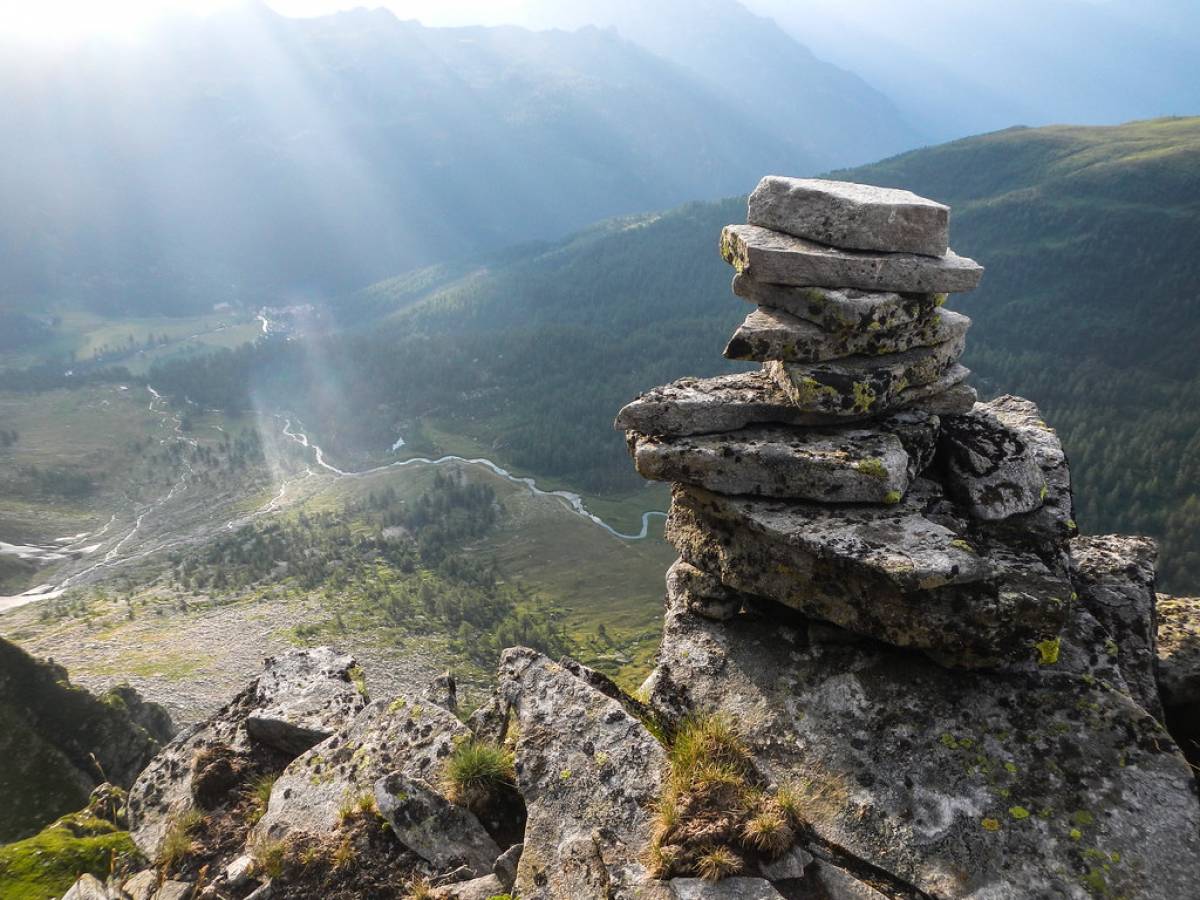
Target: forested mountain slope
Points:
(1089, 306)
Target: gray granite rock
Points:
(89, 887)
(444, 835)
(1054, 519)
(302, 697)
(298, 696)
(505, 866)
(792, 865)
(402, 735)
(701, 593)
(988, 468)
(736, 888)
(775, 258)
(836, 883)
(857, 465)
(730, 402)
(864, 385)
(840, 310)
(955, 784)
(770, 334)
(484, 888)
(1114, 577)
(851, 216)
(892, 573)
(589, 773)
(1179, 670)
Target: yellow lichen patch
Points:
(1048, 651)
(990, 824)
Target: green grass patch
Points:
(45, 866)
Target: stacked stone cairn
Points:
(854, 477)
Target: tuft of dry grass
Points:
(718, 863)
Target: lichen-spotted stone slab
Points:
(730, 402)
(852, 216)
(863, 385)
(954, 784)
(846, 466)
(989, 469)
(771, 334)
(840, 310)
(890, 573)
(776, 258)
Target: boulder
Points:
(484, 888)
(851, 216)
(891, 573)
(956, 784)
(208, 759)
(302, 697)
(989, 470)
(776, 258)
(1179, 669)
(837, 884)
(89, 887)
(388, 736)
(769, 334)
(726, 889)
(505, 867)
(730, 402)
(700, 592)
(589, 773)
(857, 465)
(839, 310)
(1114, 577)
(864, 385)
(444, 835)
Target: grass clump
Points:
(178, 841)
(477, 772)
(259, 796)
(715, 813)
(269, 857)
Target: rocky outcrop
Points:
(300, 697)
(1179, 669)
(589, 772)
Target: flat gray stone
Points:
(863, 385)
(770, 334)
(302, 697)
(1114, 576)
(476, 889)
(838, 884)
(444, 835)
(403, 735)
(840, 310)
(989, 469)
(701, 593)
(958, 784)
(887, 572)
(730, 402)
(851, 216)
(590, 773)
(776, 258)
(857, 465)
(736, 888)
(89, 887)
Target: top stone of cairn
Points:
(851, 216)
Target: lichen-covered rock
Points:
(736, 888)
(769, 334)
(485, 888)
(410, 737)
(206, 759)
(851, 216)
(445, 835)
(1114, 577)
(776, 258)
(729, 402)
(863, 385)
(1054, 519)
(886, 572)
(989, 470)
(838, 310)
(302, 697)
(957, 784)
(1179, 669)
(856, 465)
(701, 593)
(589, 772)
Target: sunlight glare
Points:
(55, 21)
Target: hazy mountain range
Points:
(249, 152)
